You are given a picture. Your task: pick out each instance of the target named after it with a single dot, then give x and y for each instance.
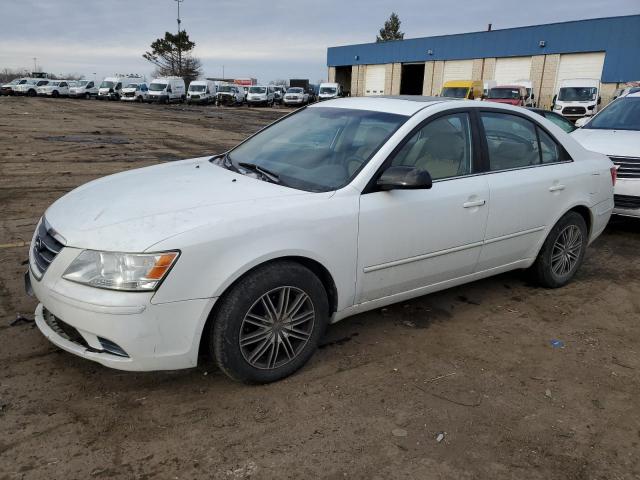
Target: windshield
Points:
(295, 90)
(257, 90)
(455, 92)
(157, 87)
(621, 114)
(15, 81)
(225, 88)
(107, 84)
(504, 93)
(328, 90)
(197, 88)
(132, 85)
(577, 94)
(82, 83)
(318, 149)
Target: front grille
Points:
(628, 167)
(65, 330)
(129, 94)
(195, 97)
(574, 111)
(45, 248)
(626, 201)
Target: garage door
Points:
(457, 70)
(508, 70)
(580, 65)
(374, 81)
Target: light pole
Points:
(179, 41)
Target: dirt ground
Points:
(473, 367)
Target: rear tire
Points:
(269, 324)
(562, 252)
(87, 96)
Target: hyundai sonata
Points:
(338, 208)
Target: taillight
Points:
(614, 175)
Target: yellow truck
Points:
(468, 89)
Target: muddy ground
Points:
(472, 366)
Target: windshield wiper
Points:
(266, 174)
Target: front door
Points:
(409, 239)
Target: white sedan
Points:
(615, 131)
(339, 208)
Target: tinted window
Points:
(442, 147)
(550, 150)
(511, 140)
(560, 121)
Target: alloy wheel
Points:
(566, 251)
(277, 327)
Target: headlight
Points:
(557, 107)
(121, 271)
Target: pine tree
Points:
(391, 30)
(172, 56)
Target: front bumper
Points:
(149, 336)
(293, 101)
(157, 98)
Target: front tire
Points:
(562, 252)
(270, 323)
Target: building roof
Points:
(619, 37)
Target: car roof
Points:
(402, 104)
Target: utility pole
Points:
(179, 41)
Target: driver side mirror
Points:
(581, 122)
(404, 178)
(599, 100)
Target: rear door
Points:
(530, 179)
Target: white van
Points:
(135, 92)
(530, 99)
(230, 94)
(328, 91)
(578, 97)
(111, 87)
(167, 89)
(201, 91)
(84, 89)
(261, 95)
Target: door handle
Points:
(556, 188)
(477, 203)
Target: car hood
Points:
(625, 143)
(133, 210)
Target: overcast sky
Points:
(263, 39)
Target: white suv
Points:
(339, 208)
(54, 88)
(615, 131)
(296, 96)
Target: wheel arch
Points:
(315, 266)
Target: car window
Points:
(549, 149)
(560, 121)
(442, 147)
(511, 141)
